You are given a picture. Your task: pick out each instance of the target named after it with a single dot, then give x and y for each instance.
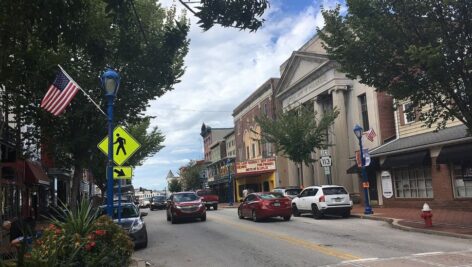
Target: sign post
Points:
(326, 162)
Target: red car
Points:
(185, 205)
(209, 198)
(258, 206)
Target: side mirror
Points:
(298, 195)
(144, 214)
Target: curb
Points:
(395, 224)
(136, 262)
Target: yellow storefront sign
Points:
(124, 145)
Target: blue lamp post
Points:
(230, 183)
(365, 181)
(110, 82)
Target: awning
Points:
(353, 169)
(35, 173)
(456, 154)
(419, 158)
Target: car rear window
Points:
(293, 192)
(334, 191)
(271, 195)
(205, 193)
(159, 198)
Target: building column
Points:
(341, 141)
(293, 173)
(319, 176)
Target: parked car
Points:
(258, 206)
(209, 198)
(321, 200)
(131, 221)
(185, 205)
(144, 203)
(158, 203)
(290, 192)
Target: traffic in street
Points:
(225, 240)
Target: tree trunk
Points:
(300, 176)
(76, 187)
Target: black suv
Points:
(158, 203)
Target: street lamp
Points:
(110, 82)
(358, 131)
(230, 189)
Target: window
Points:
(306, 192)
(364, 113)
(409, 113)
(253, 150)
(247, 153)
(462, 175)
(259, 150)
(413, 182)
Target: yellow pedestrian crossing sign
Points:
(122, 172)
(124, 145)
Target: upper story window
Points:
(364, 112)
(253, 150)
(409, 113)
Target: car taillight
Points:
(322, 199)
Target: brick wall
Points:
(386, 116)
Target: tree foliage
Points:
(147, 47)
(417, 50)
(241, 14)
(191, 176)
(174, 185)
(298, 132)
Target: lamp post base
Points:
(368, 210)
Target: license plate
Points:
(337, 199)
(277, 204)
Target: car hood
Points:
(126, 223)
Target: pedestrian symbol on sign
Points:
(121, 144)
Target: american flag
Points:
(370, 135)
(60, 93)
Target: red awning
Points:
(35, 174)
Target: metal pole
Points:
(110, 99)
(119, 201)
(230, 191)
(367, 207)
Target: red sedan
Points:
(185, 205)
(258, 206)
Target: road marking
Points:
(361, 260)
(427, 253)
(292, 240)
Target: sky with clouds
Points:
(223, 67)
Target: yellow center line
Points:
(291, 240)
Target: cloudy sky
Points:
(223, 67)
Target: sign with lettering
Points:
(325, 161)
(387, 188)
(258, 165)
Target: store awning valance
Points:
(456, 154)
(419, 158)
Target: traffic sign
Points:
(324, 153)
(124, 145)
(122, 172)
(325, 161)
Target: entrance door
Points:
(265, 186)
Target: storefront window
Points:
(462, 175)
(412, 182)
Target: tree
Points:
(84, 37)
(415, 50)
(297, 133)
(191, 176)
(174, 186)
(241, 14)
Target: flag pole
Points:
(87, 95)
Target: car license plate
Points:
(277, 204)
(337, 199)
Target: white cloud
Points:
(224, 66)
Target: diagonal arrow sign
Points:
(119, 172)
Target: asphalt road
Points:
(225, 240)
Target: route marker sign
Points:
(124, 145)
(122, 172)
(325, 161)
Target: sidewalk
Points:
(445, 222)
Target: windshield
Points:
(271, 195)
(127, 211)
(293, 192)
(159, 198)
(185, 197)
(334, 191)
(205, 193)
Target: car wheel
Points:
(316, 212)
(145, 243)
(173, 220)
(287, 218)
(240, 214)
(254, 216)
(204, 217)
(168, 216)
(347, 214)
(151, 209)
(295, 211)
(215, 207)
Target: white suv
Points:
(321, 200)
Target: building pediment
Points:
(299, 66)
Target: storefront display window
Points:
(412, 182)
(462, 175)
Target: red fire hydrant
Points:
(427, 215)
